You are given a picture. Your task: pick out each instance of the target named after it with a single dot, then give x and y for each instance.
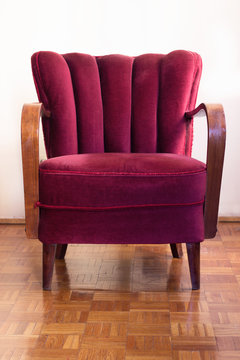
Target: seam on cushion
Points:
(36, 79)
(158, 111)
(45, 99)
(131, 115)
(191, 133)
(193, 77)
(37, 88)
(100, 83)
(100, 87)
(195, 74)
(187, 135)
(74, 98)
(190, 172)
(99, 208)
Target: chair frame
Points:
(31, 114)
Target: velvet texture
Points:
(118, 180)
(158, 225)
(118, 145)
(117, 103)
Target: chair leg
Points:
(193, 251)
(61, 251)
(49, 251)
(176, 250)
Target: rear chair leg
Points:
(193, 251)
(48, 258)
(176, 250)
(61, 251)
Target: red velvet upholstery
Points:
(117, 103)
(116, 180)
(110, 187)
(126, 175)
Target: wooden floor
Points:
(120, 302)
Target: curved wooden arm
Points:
(215, 157)
(31, 114)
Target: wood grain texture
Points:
(215, 157)
(176, 250)
(193, 251)
(127, 302)
(48, 258)
(31, 114)
(61, 251)
(30, 159)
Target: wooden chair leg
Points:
(49, 251)
(61, 251)
(176, 250)
(193, 251)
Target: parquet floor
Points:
(119, 302)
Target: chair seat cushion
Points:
(108, 181)
(121, 198)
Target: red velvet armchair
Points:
(118, 132)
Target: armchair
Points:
(118, 133)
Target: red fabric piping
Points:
(190, 172)
(39, 77)
(198, 68)
(42, 98)
(99, 208)
(36, 85)
(188, 134)
(38, 69)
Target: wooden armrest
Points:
(215, 157)
(31, 114)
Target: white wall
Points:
(132, 27)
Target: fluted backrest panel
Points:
(88, 101)
(117, 103)
(145, 103)
(116, 84)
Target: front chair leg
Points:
(193, 251)
(49, 251)
(176, 250)
(61, 251)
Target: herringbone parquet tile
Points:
(119, 302)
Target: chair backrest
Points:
(117, 103)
